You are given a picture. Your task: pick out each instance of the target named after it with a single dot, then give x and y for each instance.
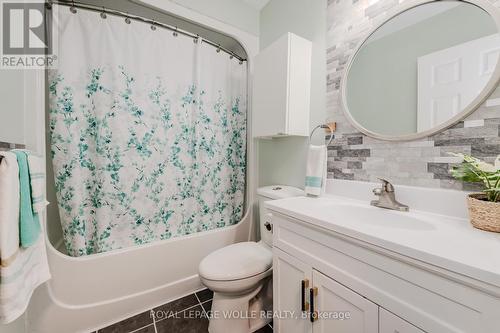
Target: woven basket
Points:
(484, 215)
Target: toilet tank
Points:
(272, 192)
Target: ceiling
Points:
(257, 4)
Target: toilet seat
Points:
(235, 262)
(236, 287)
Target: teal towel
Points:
(29, 225)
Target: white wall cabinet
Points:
(281, 88)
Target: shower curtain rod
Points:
(75, 4)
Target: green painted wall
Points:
(282, 161)
(12, 107)
(392, 75)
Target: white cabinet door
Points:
(341, 310)
(289, 274)
(390, 323)
(270, 90)
(281, 88)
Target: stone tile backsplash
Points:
(424, 162)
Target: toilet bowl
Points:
(240, 275)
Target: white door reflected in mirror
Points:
(423, 69)
(450, 79)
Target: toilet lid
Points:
(236, 261)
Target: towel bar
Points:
(324, 126)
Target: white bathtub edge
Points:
(59, 317)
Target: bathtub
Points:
(91, 292)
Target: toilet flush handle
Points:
(268, 225)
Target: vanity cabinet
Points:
(390, 323)
(316, 269)
(281, 88)
(345, 310)
(301, 292)
(291, 282)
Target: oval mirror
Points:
(423, 70)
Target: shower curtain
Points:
(148, 133)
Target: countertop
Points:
(448, 242)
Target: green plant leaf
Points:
(473, 170)
(464, 173)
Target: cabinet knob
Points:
(304, 284)
(313, 292)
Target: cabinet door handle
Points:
(304, 284)
(313, 292)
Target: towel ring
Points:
(324, 126)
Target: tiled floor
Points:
(185, 315)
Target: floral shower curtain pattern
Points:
(148, 134)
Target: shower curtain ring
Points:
(195, 40)
(241, 62)
(103, 13)
(72, 8)
(127, 19)
(175, 33)
(153, 26)
(217, 49)
(231, 56)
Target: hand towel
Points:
(29, 225)
(316, 170)
(22, 270)
(36, 167)
(9, 207)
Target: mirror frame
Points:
(492, 84)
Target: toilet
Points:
(240, 275)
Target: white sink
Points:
(436, 230)
(377, 217)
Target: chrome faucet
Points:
(387, 198)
